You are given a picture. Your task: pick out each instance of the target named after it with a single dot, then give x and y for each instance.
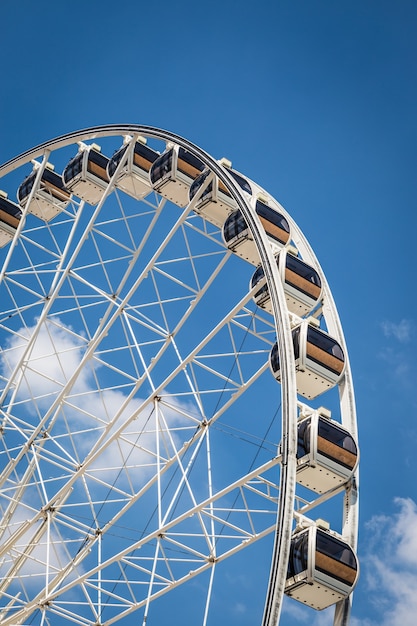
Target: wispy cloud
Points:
(401, 331)
(391, 566)
(398, 352)
(299, 614)
(90, 413)
(43, 560)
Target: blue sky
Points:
(314, 100)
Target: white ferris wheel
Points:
(174, 388)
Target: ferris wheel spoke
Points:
(56, 508)
(239, 538)
(95, 341)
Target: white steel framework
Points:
(135, 398)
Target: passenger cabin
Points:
(173, 173)
(302, 284)
(326, 454)
(238, 237)
(322, 568)
(216, 202)
(86, 174)
(10, 215)
(133, 177)
(50, 197)
(319, 360)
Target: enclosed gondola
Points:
(327, 453)
(49, 198)
(86, 173)
(238, 236)
(322, 568)
(173, 173)
(319, 360)
(133, 177)
(302, 284)
(216, 202)
(10, 215)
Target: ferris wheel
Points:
(174, 389)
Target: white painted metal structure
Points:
(130, 346)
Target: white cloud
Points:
(42, 560)
(324, 618)
(360, 622)
(54, 357)
(401, 331)
(390, 566)
(399, 352)
(240, 608)
(299, 614)
(136, 447)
